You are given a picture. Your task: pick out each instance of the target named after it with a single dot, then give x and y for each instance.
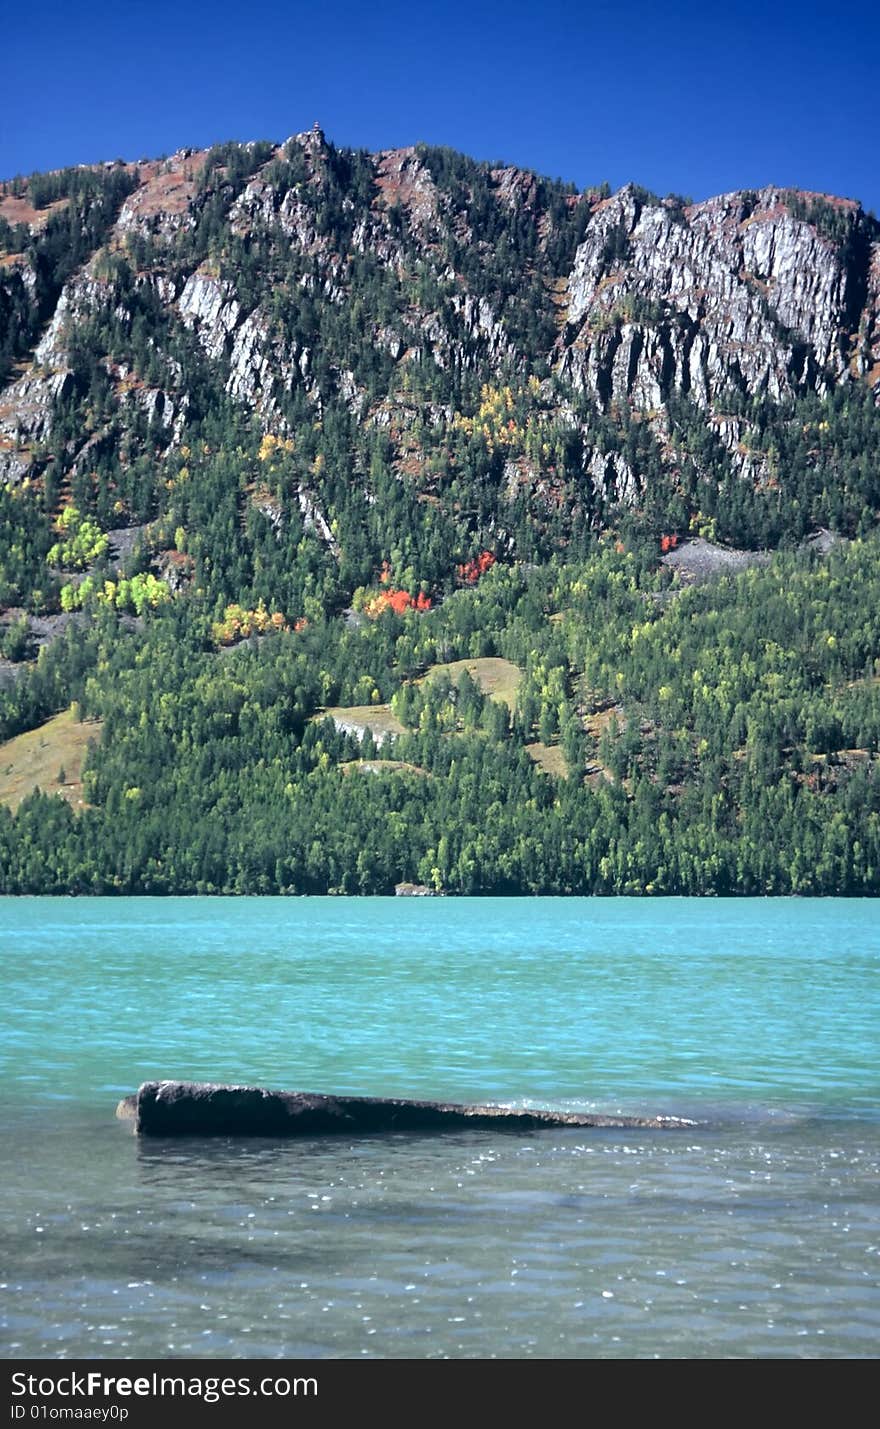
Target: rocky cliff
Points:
(302, 273)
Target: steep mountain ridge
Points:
(634, 301)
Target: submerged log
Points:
(206, 1109)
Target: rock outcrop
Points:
(748, 295)
(744, 292)
(206, 1109)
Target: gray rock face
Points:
(479, 321)
(209, 306)
(765, 293)
(206, 1109)
(27, 403)
(25, 418)
(315, 520)
(700, 560)
(735, 292)
(359, 729)
(867, 357)
(258, 364)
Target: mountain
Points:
(311, 277)
(406, 410)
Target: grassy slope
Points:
(34, 760)
(548, 757)
(499, 678)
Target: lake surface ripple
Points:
(757, 1232)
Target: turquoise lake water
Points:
(757, 1232)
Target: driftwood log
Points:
(208, 1109)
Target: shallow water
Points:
(755, 1233)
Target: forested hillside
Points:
(397, 518)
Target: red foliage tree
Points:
(469, 572)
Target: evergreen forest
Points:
(401, 599)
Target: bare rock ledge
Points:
(208, 1109)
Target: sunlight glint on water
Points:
(757, 1233)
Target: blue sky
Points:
(684, 97)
